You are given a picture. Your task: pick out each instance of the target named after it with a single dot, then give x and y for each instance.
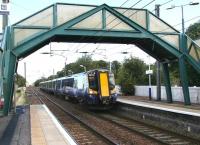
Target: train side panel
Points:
(95, 87)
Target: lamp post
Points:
(25, 72)
(58, 55)
(182, 14)
(70, 72)
(83, 67)
(149, 72)
(158, 83)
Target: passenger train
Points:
(94, 88)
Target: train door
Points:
(104, 84)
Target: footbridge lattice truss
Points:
(62, 22)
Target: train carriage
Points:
(95, 87)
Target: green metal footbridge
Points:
(62, 22)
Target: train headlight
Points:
(113, 91)
(92, 91)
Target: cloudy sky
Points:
(39, 65)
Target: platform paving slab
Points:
(45, 129)
(15, 128)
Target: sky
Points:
(39, 65)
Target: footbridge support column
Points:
(8, 80)
(182, 69)
(9, 68)
(167, 82)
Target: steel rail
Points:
(110, 141)
(154, 133)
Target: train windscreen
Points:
(111, 81)
(93, 82)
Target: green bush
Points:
(128, 88)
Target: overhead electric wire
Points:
(167, 28)
(123, 13)
(114, 20)
(163, 4)
(179, 30)
(111, 21)
(124, 50)
(181, 23)
(100, 23)
(130, 16)
(133, 14)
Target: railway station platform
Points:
(33, 125)
(15, 128)
(45, 129)
(175, 107)
(175, 117)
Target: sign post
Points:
(149, 72)
(5, 9)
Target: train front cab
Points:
(101, 88)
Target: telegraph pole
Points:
(25, 72)
(4, 12)
(5, 16)
(157, 12)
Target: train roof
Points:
(65, 77)
(74, 75)
(97, 70)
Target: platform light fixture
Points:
(83, 67)
(182, 14)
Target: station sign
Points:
(149, 72)
(4, 9)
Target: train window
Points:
(54, 84)
(75, 83)
(64, 83)
(71, 82)
(93, 82)
(50, 84)
(112, 81)
(68, 82)
(58, 84)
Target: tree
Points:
(37, 82)
(21, 82)
(75, 67)
(193, 76)
(132, 73)
(100, 64)
(174, 73)
(193, 31)
(116, 68)
(193, 79)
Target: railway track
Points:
(115, 129)
(162, 136)
(81, 131)
(32, 96)
(118, 135)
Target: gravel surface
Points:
(113, 131)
